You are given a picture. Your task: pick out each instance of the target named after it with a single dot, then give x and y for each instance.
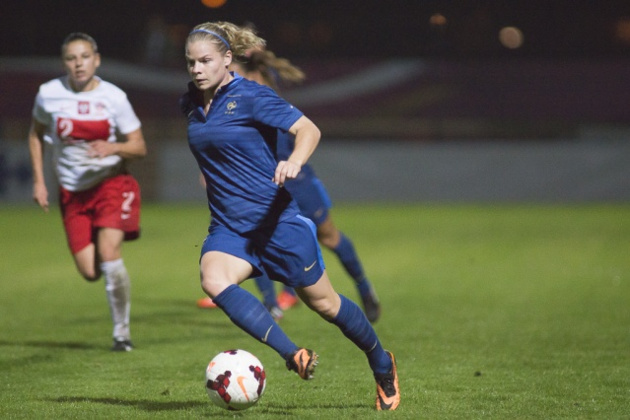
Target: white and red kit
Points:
(74, 119)
(95, 192)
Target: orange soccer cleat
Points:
(387, 392)
(303, 362)
(287, 300)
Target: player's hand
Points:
(101, 148)
(40, 196)
(286, 169)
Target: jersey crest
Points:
(230, 107)
(83, 108)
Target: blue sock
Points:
(348, 256)
(250, 315)
(352, 322)
(268, 291)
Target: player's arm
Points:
(307, 137)
(133, 147)
(36, 148)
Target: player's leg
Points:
(347, 315)
(86, 263)
(75, 210)
(333, 239)
(117, 285)
(292, 254)
(268, 291)
(343, 312)
(221, 274)
(301, 265)
(227, 259)
(315, 203)
(117, 217)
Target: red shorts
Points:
(114, 203)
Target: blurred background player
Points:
(262, 66)
(79, 115)
(255, 223)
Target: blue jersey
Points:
(306, 189)
(284, 148)
(235, 146)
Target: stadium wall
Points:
(492, 171)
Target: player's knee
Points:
(207, 288)
(328, 238)
(329, 313)
(109, 253)
(213, 284)
(88, 270)
(326, 308)
(90, 276)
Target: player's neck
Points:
(84, 87)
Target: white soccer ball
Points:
(235, 379)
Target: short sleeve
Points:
(126, 118)
(39, 111)
(272, 110)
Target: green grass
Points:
(492, 311)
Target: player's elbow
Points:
(142, 152)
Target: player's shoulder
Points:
(59, 87)
(254, 89)
(111, 88)
(53, 86)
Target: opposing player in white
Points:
(79, 116)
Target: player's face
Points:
(207, 66)
(80, 61)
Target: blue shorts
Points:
(287, 252)
(311, 196)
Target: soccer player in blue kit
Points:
(262, 66)
(255, 225)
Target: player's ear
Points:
(97, 60)
(227, 58)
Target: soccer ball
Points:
(235, 379)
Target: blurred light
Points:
(622, 30)
(321, 34)
(437, 19)
(290, 33)
(213, 3)
(511, 37)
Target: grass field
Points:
(505, 312)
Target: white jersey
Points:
(73, 120)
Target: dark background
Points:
(331, 28)
(571, 69)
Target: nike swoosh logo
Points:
(264, 339)
(241, 384)
(310, 266)
(385, 402)
(385, 406)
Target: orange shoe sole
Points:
(206, 303)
